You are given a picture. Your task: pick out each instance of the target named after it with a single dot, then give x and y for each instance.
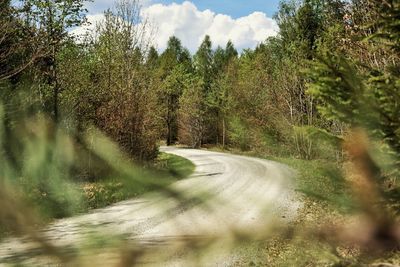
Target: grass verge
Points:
(322, 189)
(168, 168)
(327, 202)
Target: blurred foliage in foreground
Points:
(41, 184)
(41, 163)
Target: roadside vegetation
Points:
(168, 168)
(82, 118)
(328, 203)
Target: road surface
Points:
(227, 193)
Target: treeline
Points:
(333, 65)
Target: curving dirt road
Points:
(226, 192)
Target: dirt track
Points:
(240, 193)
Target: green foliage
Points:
(336, 82)
(167, 167)
(388, 23)
(172, 88)
(203, 63)
(55, 16)
(239, 134)
(219, 100)
(41, 167)
(222, 57)
(175, 65)
(386, 85)
(322, 180)
(366, 99)
(124, 94)
(312, 142)
(192, 113)
(38, 178)
(51, 21)
(20, 44)
(152, 58)
(174, 166)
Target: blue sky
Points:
(234, 8)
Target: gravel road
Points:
(227, 193)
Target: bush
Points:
(239, 134)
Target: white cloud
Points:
(190, 25)
(90, 25)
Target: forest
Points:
(323, 96)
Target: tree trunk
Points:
(169, 137)
(55, 99)
(223, 132)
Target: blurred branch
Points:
(20, 45)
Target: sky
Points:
(245, 22)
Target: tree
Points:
(308, 23)
(222, 57)
(205, 70)
(54, 18)
(219, 99)
(203, 63)
(78, 68)
(222, 98)
(191, 119)
(175, 63)
(364, 96)
(152, 59)
(128, 109)
(20, 44)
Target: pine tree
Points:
(203, 63)
(152, 59)
(370, 98)
(175, 63)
